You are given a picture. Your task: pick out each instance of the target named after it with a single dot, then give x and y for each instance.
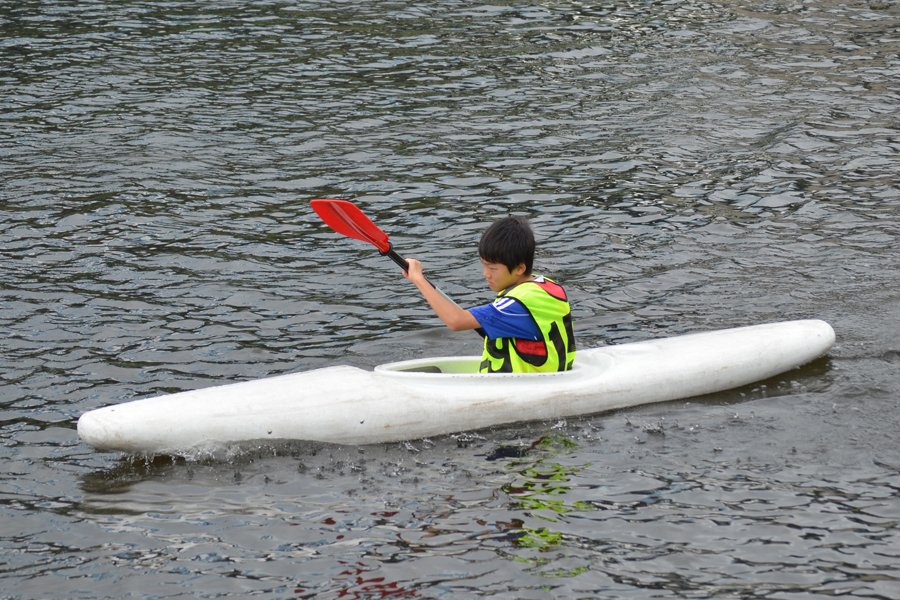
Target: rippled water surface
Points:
(687, 166)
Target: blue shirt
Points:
(507, 318)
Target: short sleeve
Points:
(506, 318)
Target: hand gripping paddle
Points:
(345, 218)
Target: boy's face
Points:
(499, 277)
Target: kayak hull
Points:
(428, 397)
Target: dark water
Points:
(686, 165)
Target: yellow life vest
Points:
(548, 305)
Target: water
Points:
(686, 165)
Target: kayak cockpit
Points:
(467, 366)
(458, 365)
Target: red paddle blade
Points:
(346, 219)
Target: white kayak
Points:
(428, 397)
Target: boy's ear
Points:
(520, 270)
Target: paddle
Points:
(345, 218)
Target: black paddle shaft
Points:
(396, 257)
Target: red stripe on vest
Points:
(531, 347)
(553, 289)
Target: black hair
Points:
(509, 242)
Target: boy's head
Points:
(509, 242)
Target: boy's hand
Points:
(415, 271)
(450, 313)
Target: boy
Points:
(528, 328)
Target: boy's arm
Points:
(454, 317)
